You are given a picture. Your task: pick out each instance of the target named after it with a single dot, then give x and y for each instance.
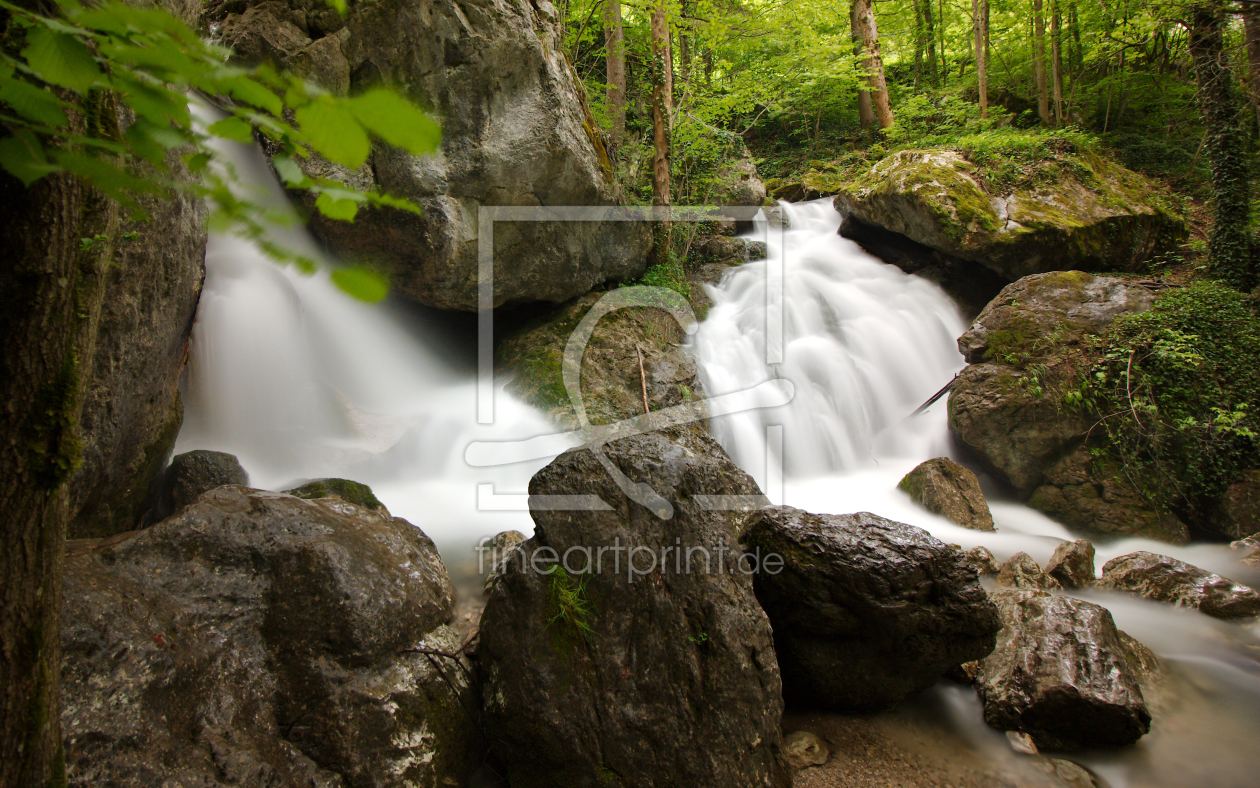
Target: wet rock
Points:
(516, 131)
(738, 189)
(804, 749)
(1073, 564)
(1021, 743)
(1238, 514)
(661, 674)
(195, 472)
(944, 487)
(356, 493)
(495, 553)
(1166, 579)
(1250, 547)
(256, 639)
(1059, 673)
(1021, 571)
(965, 673)
(984, 562)
(866, 610)
(1102, 217)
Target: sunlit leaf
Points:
(335, 208)
(395, 120)
(288, 170)
(361, 283)
(61, 59)
(248, 90)
(332, 130)
(232, 128)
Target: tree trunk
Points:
(615, 45)
(918, 44)
(1039, 64)
(661, 84)
(866, 112)
(1251, 26)
(930, 28)
(684, 50)
(942, 35)
(1078, 54)
(1056, 61)
(872, 63)
(982, 67)
(1228, 244)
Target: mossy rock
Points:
(352, 492)
(1072, 211)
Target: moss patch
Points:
(356, 493)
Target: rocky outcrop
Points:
(866, 610)
(1021, 571)
(1003, 408)
(356, 493)
(192, 473)
(1238, 514)
(516, 132)
(1166, 579)
(1060, 673)
(1073, 564)
(739, 189)
(131, 407)
(1095, 216)
(984, 562)
(645, 659)
(257, 639)
(944, 487)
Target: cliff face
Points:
(516, 131)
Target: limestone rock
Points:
(1166, 579)
(1073, 564)
(657, 676)
(1103, 218)
(866, 610)
(1021, 571)
(195, 472)
(1059, 673)
(944, 487)
(984, 562)
(516, 132)
(255, 639)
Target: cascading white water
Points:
(864, 344)
(301, 381)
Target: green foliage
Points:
(1177, 391)
(668, 274)
(60, 77)
(568, 608)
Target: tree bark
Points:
(1228, 244)
(1039, 64)
(930, 29)
(942, 35)
(684, 49)
(615, 45)
(864, 19)
(1251, 27)
(866, 112)
(918, 44)
(978, 24)
(661, 85)
(1056, 61)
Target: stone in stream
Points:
(257, 639)
(192, 473)
(944, 487)
(1166, 579)
(985, 563)
(1061, 674)
(635, 664)
(866, 610)
(1021, 571)
(356, 493)
(1073, 564)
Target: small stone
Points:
(1021, 571)
(804, 749)
(984, 561)
(1073, 775)
(1021, 743)
(965, 673)
(944, 487)
(1166, 579)
(1073, 564)
(192, 473)
(496, 553)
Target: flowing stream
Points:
(301, 381)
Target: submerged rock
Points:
(356, 493)
(257, 639)
(1073, 564)
(195, 472)
(944, 487)
(516, 131)
(1021, 571)
(1095, 215)
(611, 671)
(866, 610)
(1060, 674)
(1166, 579)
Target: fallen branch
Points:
(945, 389)
(642, 378)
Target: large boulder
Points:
(866, 610)
(516, 132)
(257, 639)
(1238, 514)
(1166, 579)
(608, 671)
(944, 487)
(1021, 571)
(131, 406)
(1061, 673)
(1005, 410)
(1095, 216)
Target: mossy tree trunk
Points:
(872, 62)
(661, 86)
(1056, 61)
(1039, 64)
(929, 28)
(50, 291)
(979, 22)
(1229, 254)
(866, 114)
(615, 46)
(1251, 26)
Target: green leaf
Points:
(334, 208)
(332, 130)
(397, 121)
(233, 128)
(61, 59)
(23, 157)
(31, 101)
(248, 90)
(288, 170)
(197, 161)
(361, 283)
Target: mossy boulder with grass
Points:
(356, 493)
(1018, 213)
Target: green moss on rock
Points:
(352, 492)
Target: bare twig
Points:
(1128, 389)
(642, 378)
